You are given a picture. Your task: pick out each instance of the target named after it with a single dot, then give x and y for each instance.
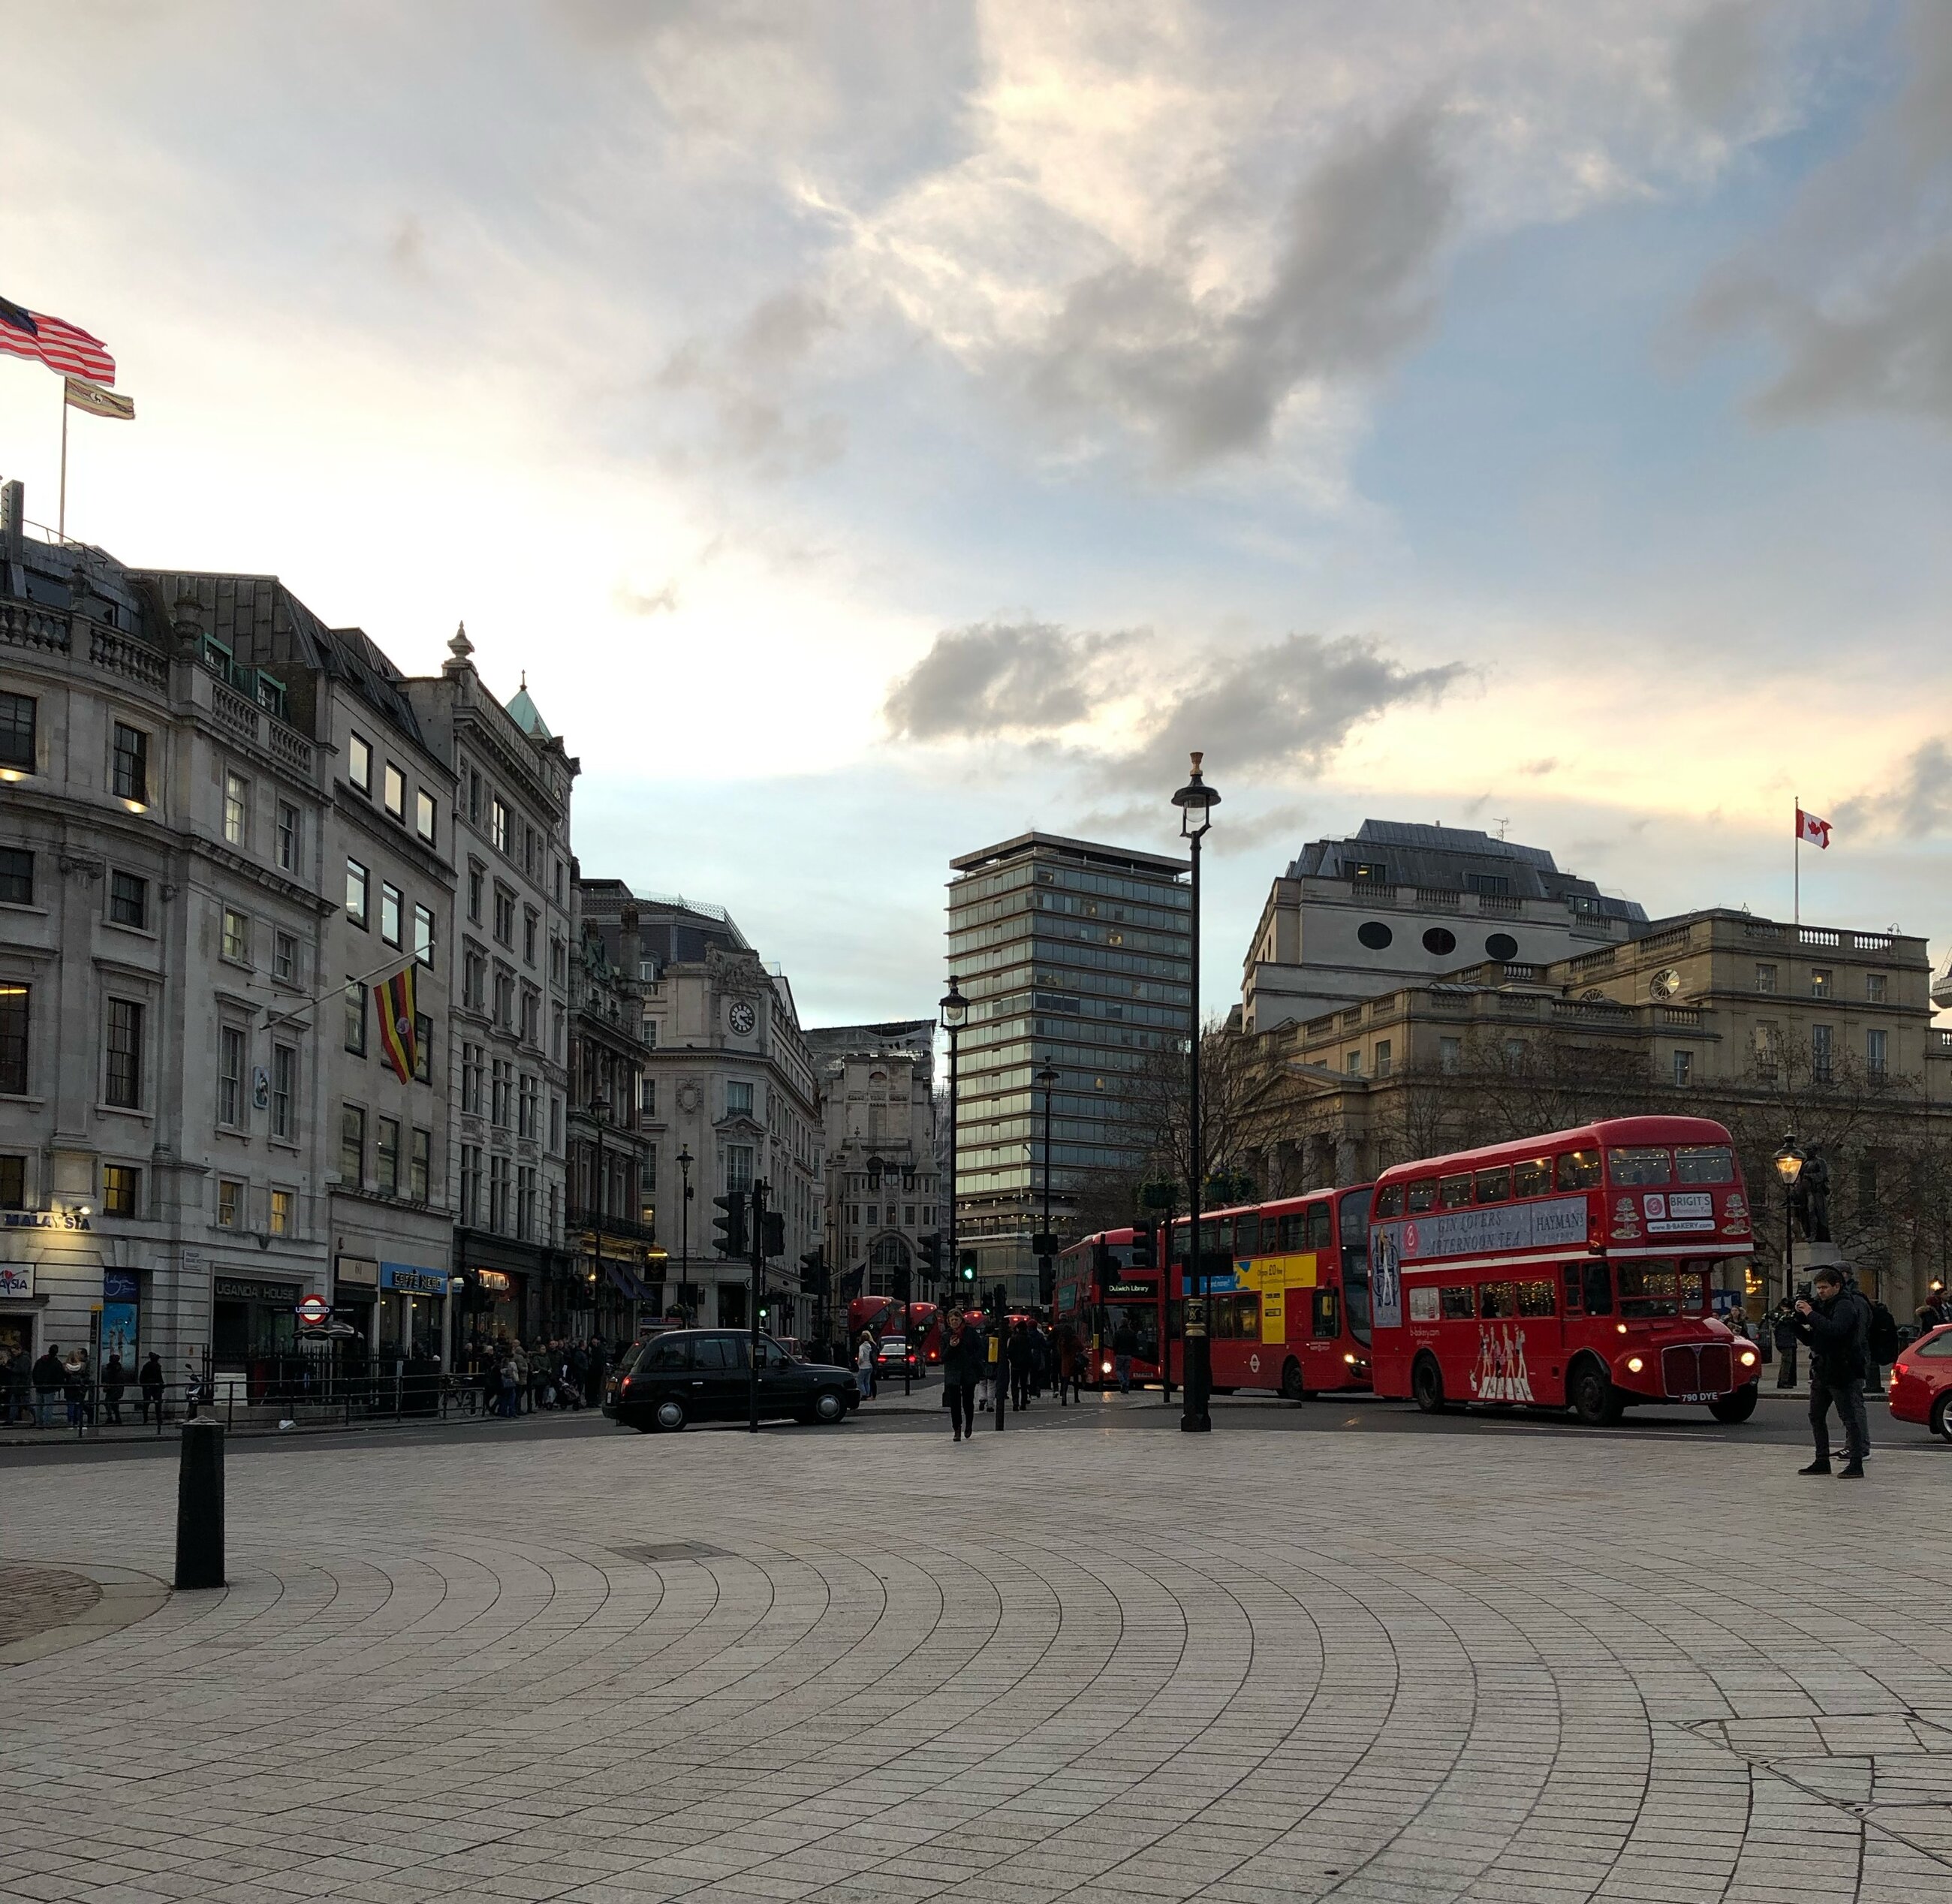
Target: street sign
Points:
(314, 1310)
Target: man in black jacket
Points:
(1836, 1324)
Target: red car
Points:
(1921, 1382)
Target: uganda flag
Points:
(395, 1002)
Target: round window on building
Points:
(1441, 941)
(1502, 946)
(1375, 934)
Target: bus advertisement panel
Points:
(1574, 1270)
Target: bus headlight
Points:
(1350, 1360)
(1748, 1359)
(1634, 1364)
(1105, 1368)
(1621, 1327)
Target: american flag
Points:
(61, 346)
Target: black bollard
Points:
(200, 1505)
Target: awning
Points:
(631, 1284)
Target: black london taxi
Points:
(688, 1375)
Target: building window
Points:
(497, 825)
(420, 1157)
(1874, 988)
(288, 824)
(1765, 977)
(505, 1000)
(390, 902)
(525, 1199)
(17, 731)
(1352, 1064)
(738, 1099)
(528, 921)
(13, 1183)
(285, 958)
(1684, 1069)
(1819, 983)
(358, 885)
(387, 1155)
(125, 1054)
(359, 765)
(236, 937)
(1382, 1060)
(284, 1089)
(281, 1213)
(131, 764)
(230, 1077)
(474, 979)
(424, 815)
(532, 1015)
(121, 1191)
(648, 1102)
(423, 934)
(529, 1099)
(128, 900)
(738, 1167)
(470, 1079)
(555, 1123)
(396, 793)
(352, 1144)
(502, 1088)
(498, 1193)
(230, 1201)
(470, 1183)
(236, 808)
(474, 891)
(14, 1038)
(1876, 1048)
(1821, 1062)
(423, 1048)
(16, 876)
(355, 1017)
(650, 1038)
(504, 916)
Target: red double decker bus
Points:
(884, 1315)
(1287, 1293)
(1574, 1270)
(1103, 1279)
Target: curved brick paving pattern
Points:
(33, 1600)
(1107, 1664)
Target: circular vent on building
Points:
(1664, 985)
(1375, 934)
(1440, 940)
(1502, 946)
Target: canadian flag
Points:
(1815, 831)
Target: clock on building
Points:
(742, 1018)
(1664, 985)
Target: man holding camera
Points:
(1835, 1321)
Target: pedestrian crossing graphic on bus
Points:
(1501, 1374)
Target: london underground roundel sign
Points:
(313, 1310)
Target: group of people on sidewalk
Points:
(515, 1379)
(1027, 1355)
(56, 1386)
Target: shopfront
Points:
(253, 1318)
(19, 1307)
(355, 1295)
(412, 1305)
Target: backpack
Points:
(1883, 1335)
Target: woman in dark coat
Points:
(962, 1366)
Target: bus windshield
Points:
(1354, 1221)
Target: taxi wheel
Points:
(1292, 1387)
(1594, 1398)
(670, 1415)
(1941, 1416)
(829, 1408)
(1426, 1385)
(1738, 1407)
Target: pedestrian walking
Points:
(74, 1386)
(1020, 1355)
(864, 1365)
(1040, 1358)
(1934, 1312)
(1833, 1321)
(1124, 1344)
(49, 1379)
(961, 1369)
(114, 1379)
(150, 1378)
(1069, 1358)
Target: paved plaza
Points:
(1100, 1660)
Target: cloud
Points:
(662, 601)
(1537, 769)
(1853, 288)
(1917, 805)
(1718, 60)
(1024, 678)
(1351, 289)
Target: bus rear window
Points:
(1533, 1177)
(1578, 1170)
(1703, 1163)
(1494, 1185)
(1454, 1193)
(1640, 1164)
(1422, 1195)
(1389, 1200)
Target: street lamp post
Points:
(600, 1112)
(1196, 801)
(1788, 1161)
(685, 1161)
(954, 1008)
(1047, 1080)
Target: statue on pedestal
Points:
(1810, 1199)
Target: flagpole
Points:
(1795, 862)
(60, 519)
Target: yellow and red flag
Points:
(395, 999)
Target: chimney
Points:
(13, 512)
(633, 944)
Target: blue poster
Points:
(118, 1333)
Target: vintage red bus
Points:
(1096, 1292)
(1574, 1270)
(1287, 1293)
(883, 1315)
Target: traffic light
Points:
(813, 1270)
(1145, 1246)
(1101, 1271)
(931, 1255)
(966, 1269)
(773, 1229)
(1046, 1283)
(731, 1224)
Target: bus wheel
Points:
(1738, 1407)
(1426, 1385)
(1594, 1398)
(1291, 1388)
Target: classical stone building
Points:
(883, 1187)
(728, 1082)
(506, 1067)
(1773, 1029)
(1398, 902)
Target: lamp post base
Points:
(1196, 1424)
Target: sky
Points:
(877, 426)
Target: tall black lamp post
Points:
(1047, 1081)
(1789, 1161)
(1196, 801)
(685, 1160)
(954, 1013)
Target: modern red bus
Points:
(1574, 1269)
(1096, 1292)
(883, 1315)
(1287, 1293)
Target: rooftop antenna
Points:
(1501, 825)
